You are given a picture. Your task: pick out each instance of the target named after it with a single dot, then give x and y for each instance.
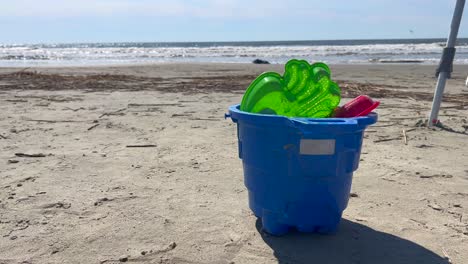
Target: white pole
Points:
(445, 71)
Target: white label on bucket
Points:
(317, 147)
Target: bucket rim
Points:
(236, 113)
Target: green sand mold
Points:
(304, 91)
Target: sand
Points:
(137, 164)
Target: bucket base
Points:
(271, 226)
(306, 218)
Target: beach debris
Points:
(435, 206)
(13, 161)
(448, 176)
(259, 61)
(361, 219)
(168, 248)
(424, 146)
(27, 179)
(386, 139)
(35, 155)
(53, 82)
(405, 138)
(59, 205)
(54, 121)
(421, 123)
(171, 246)
(195, 164)
(74, 109)
(141, 146)
(20, 225)
(105, 199)
(387, 125)
(354, 195)
(204, 119)
(124, 258)
(153, 105)
(42, 104)
(387, 179)
(115, 113)
(144, 254)
(181, 115)
(418, 221)
(401, 118)
(16, 131)
(93, 126)
(399, 61)
(2, 136)
(16, 100)
(53, 98)
(101, 201)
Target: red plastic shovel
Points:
(359, 106)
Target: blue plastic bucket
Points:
(298, 171)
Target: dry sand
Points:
(86, 195)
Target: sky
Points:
(54, 21)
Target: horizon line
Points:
(221, 41)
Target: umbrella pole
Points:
(446, 63)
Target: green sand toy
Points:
(304, 91)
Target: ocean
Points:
(421, 51)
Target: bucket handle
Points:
(326, 125)
(327, 121)
(363, 121)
